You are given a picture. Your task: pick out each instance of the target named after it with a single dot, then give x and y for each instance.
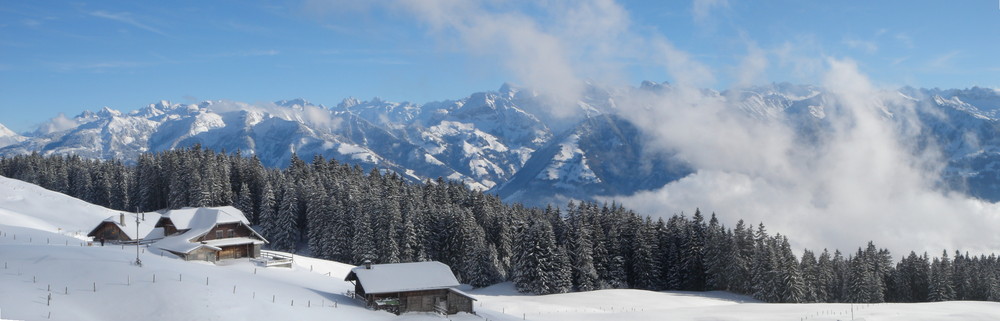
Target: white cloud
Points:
(944, 61)
(125, 17)
(904, 39)
(752, 68)
(702, 9)
(314, 116)
(860, 182)
(57, 124)
(869, 47)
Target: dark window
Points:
(232, 233)
(218, 234)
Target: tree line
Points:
(333, 210)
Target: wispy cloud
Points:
(863, 45)
(126, 18)
(248, 53)
(904, 39)
(944, 61)
(376, 61)
(32, 23)
(702, 9)
(899, 60)
(95, 66)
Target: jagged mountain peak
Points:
(107, 112)
(348, 103)
(297, 103)
(6, 132)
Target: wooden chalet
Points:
(209, 234)
(121, 228)
(409, 287)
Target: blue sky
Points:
(66, 57)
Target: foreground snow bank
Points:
(40, 264)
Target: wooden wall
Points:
(110, 232)
(202, 254)
(458, 303)
(227, 231)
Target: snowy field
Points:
(47, 274)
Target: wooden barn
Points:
(409, 287)
(122, 228)
(209, 234)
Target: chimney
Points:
(368, 264)
(121, 218)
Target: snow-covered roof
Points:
(232, 241)
(145, 226)
(191, 217)
(401, 277)
(181, 243)
(460, 292)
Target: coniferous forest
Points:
(340, 212)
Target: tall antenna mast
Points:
(137, 238)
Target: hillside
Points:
(313, 290)
(38, 262)
(30, 206)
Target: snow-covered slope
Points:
(51, 276)
(70, 282)
(604, 155)
(30, 206)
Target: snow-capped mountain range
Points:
(502, 140)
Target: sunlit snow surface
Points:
(37, 263)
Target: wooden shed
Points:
(122, 228)
(410, 287)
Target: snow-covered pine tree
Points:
(480, 265)
(824, 277)
(384, 225)
(340, 243)
(810, 276)
(993, 283)
(268, 212)
(100, 191)
(286, 230)
(790, 281)
(693, 253)
(580, 249)
(244, 201)
(148, 183)
(860, 279)
(409, 245)
(742, 258)
(362, 245)
(536, 265)
(718, 255)
(121, 181)
(317, 221)
(941, 287)
(838, 287)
